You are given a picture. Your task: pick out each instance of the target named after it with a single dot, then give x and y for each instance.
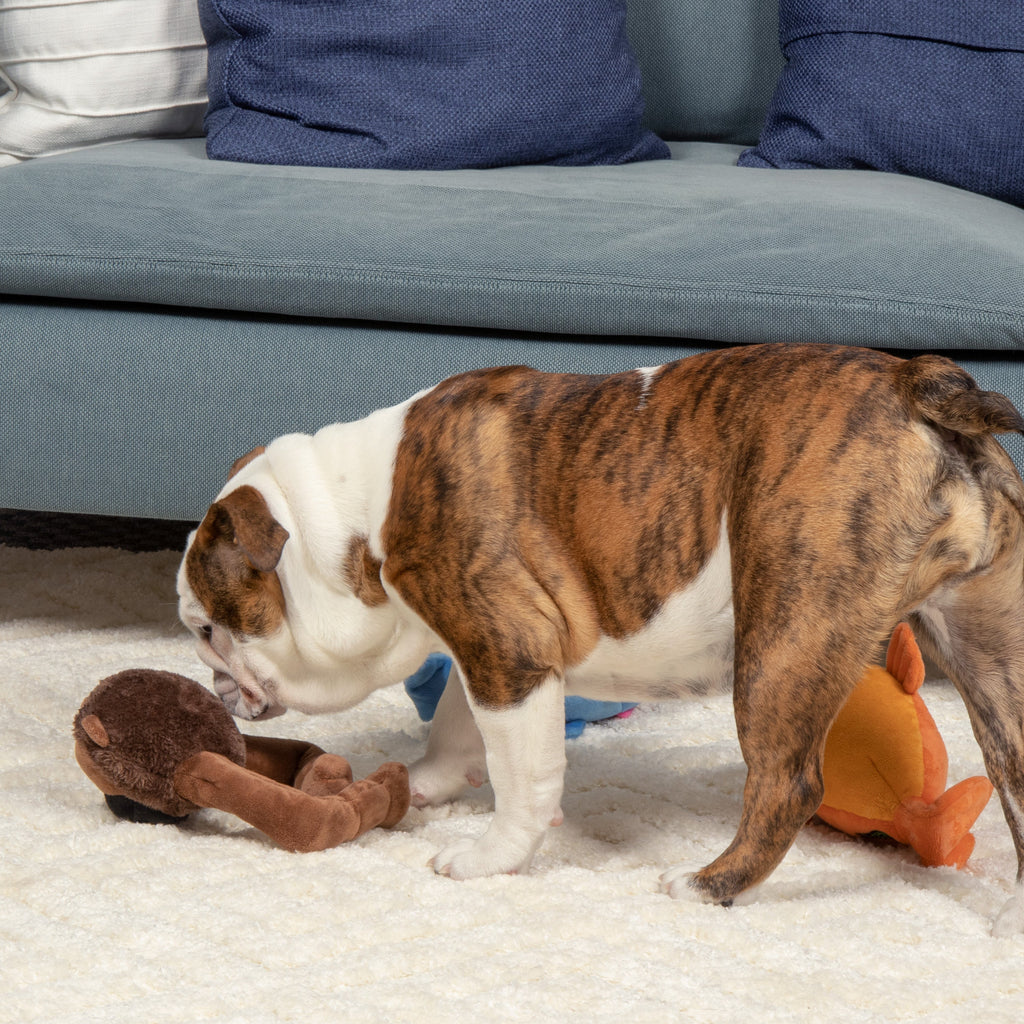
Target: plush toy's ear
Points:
(95, 731)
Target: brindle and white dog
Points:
(767, 512)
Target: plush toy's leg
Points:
(296, 763)
(324, 775)
(292, 818)
(394, 778)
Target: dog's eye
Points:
(206, 632)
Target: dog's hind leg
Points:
(785, 701)
(975, 633)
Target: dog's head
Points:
(284, 598)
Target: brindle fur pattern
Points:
(534, 518)
(362, 573)
(533, 514)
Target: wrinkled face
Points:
(231, 598)
(285, 619)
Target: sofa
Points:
(162, 312)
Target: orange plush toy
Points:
(885, 765)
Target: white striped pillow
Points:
(81, 72)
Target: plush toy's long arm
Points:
(295, 819)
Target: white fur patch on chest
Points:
(685, 650)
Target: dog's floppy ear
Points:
(243, 518)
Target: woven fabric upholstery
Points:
(691, 247)
(141, 412)
(137, 411)
(430, 84)
(708, 66)
(82, 72)
(919, 87)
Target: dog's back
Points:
(852, 489)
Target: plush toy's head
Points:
(135, 729)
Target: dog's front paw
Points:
(480, 858)
(434, 780)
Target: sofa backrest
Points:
(708, 66)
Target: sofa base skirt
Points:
(140, 411)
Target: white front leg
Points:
(455, 750)
(526, 759)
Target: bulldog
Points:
(761, 516)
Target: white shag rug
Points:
(107, 921)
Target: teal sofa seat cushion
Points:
(692, 247)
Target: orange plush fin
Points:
(939, 832)
(961, 853)
(903, 660)
(905, 664)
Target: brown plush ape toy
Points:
(162, 741)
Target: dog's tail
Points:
(947, 397)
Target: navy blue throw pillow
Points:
(933, 88)
(423, 83)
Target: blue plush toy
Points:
(427, 684)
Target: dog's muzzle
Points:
(242, 702)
